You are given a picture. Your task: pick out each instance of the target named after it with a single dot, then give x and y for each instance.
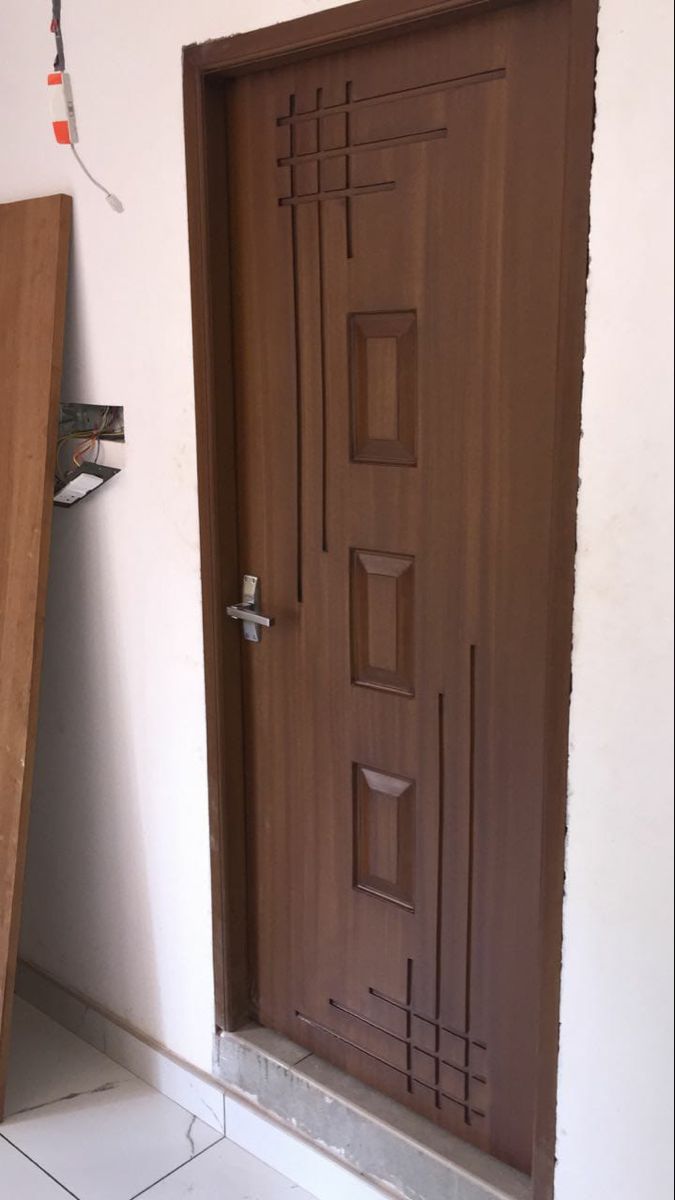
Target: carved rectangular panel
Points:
(383, 587)
(384, 835)
(383, 382)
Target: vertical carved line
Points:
(348, 170)
(469, 883)
(298, 364)
(439, 890)
(408, 1023)
(322, 340)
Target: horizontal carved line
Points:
(390, 97)
(354, 1045)
(339, 193)
(466, 1037)
(398, 1070)
(433, 1054)
(369, 1054)
(350, 1012)
(404, 139)
(463, 1070)
(477, 1112)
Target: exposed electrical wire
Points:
(60, 60)
(113, 200)
(92, 441)
(89, 439)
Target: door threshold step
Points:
(387, 1145)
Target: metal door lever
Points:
(248, 610)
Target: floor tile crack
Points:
(102, 1087)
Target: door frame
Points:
(207, 71)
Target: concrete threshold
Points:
(390, 1146)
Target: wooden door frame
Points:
(207, 69)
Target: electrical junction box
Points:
(87, 433)
(86, 479)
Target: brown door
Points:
(396, 215)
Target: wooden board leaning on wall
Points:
(34, 242)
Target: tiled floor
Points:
(80, 1125)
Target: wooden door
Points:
(396, 216)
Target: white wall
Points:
(615, 1083)
(117, 901)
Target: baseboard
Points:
(195, 1091)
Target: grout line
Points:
(144, 1191)
(36, 1164)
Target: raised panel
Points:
(383, 597)
(383, 382)
(384, 835)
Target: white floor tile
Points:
(226, 1172)
(21, 1180)
(94, 1126)
(186, 1087)
(47, 1063)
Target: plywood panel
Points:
(34, 238)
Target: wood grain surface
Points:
(34, 241)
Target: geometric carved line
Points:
(404, 1007)
(339, 193)
(295, 275)
(469, 1074)
(349, 224)
(402, 139)
(350, 1012)
(409, 1075)
(390, 97)
(297, 159)
(471, 838)
(441, 1067)
(340, 187)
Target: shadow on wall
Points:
(86, 909)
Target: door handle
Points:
(248, 610)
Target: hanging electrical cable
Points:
(63, 108)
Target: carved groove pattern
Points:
(455, 1066)
(301, 193)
